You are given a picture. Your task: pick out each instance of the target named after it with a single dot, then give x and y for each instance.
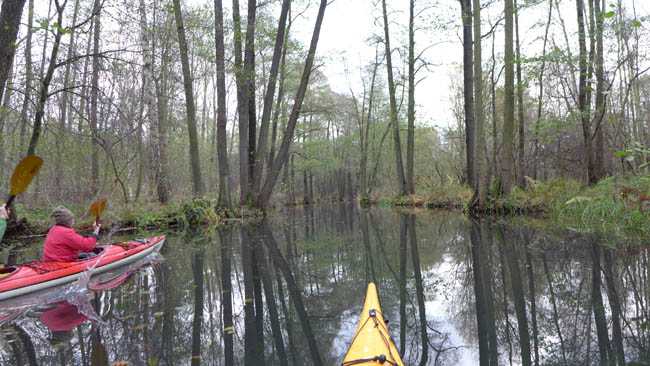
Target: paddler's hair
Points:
(62, 216)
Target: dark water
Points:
(290, 292)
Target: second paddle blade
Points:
(98, 207)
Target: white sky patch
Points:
(349, 25)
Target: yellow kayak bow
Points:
(372, 344)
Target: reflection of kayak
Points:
(372, 345)
(108, 280)
(33, 276)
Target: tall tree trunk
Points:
(280, 100)
(29, 74)
(520, 104)
(190, 107)
(507, 164)
(5, 113)
(262, 200)
(601, 98)
(494, 166)
(43, 94)
(145, 97)
(242, 107)
(63, 112)
(163, 185)
(364, 120)
(249, 72)
(83, 110)
(540, 81)
(222, 120)
(394, 118)
(583, 106)
(410, 136)
(10, 14)
(480, 193)
(94, 95)
(468, 92)
(261, 153)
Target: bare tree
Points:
(222, 154)
(507, 163)
(190, 107)
(262, 199)
(468, 92)
(397, 146)
(480, 193)
(10, 14)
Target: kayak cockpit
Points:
(6, 271)
(93, 253)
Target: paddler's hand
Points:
(96, 228)
(4, 212)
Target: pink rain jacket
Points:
(62, 244)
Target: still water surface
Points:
(290, 292)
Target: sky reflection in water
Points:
(313, 266)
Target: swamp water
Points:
(298, 282)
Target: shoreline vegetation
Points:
(614, 207)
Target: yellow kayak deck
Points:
(372, 344)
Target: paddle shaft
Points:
(10, 200)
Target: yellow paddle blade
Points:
(98, 207)
(24, 173)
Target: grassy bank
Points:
(36, 221)
(616, 205)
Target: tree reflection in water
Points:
(289, 291)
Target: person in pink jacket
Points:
(62, 243)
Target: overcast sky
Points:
(349, 23)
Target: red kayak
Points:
(33, 276)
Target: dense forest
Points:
(155, 100)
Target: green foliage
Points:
(149, 215)
(615, 206)
(452, 194)
(635, 151)
(40, 215)
(199, 212)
